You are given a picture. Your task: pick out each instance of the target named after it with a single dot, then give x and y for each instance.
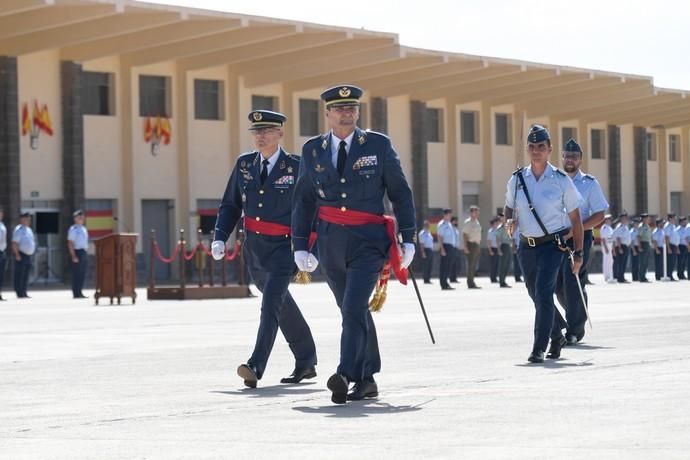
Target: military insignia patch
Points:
(289, 169)
(345, 91)
(257, 116)
(244, 198)
(361, 139)
(363, 162)
(324, 144)
(321, 194)
(282, 165)
(285, 180)
(243, 164)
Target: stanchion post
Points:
(200, 265)
(183, 280)
(152, 258)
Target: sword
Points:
(579, 286)
(421, 304)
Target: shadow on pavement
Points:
(356, 409)
(273, 391)
(557, 364)
(584, 346)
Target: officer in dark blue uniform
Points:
(343, 178)
(547, 206)
(262, 185)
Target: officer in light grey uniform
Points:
(23, 246)
(77, 244)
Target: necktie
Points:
(264, 171)
(342, 154)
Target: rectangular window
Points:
(568, 132)
(675, 202)
(264, 102)
(309, 117)
(469, 128)
(504, 133)
(651, 146)
(208, 100)
(434, 125)
(598, 144)
(674, 147)
(98, 93)
(154, 96)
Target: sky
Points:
(626, 36)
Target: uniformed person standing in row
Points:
(635, 249)
(426, 250)
(606, 238)
(492, 247)
(621, 238)
(504, 249)
(77, 244)
(672, 241)
(658, 239)
(547, 206)
(344, 176)
(446, 238)
(644, 233)
(3, 250)
(682, 247)
(262, 186)
(23, 246)
(472, 238)
(592, 207)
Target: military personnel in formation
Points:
(644, 234)
(492, 248)
(504, 249)
(454, 271)
(517, 271)
(23, 247)
(77, 244)
(672, 240)
(472, 237)
(607, 248)
(621, 237)
(261, 187)
(344, 176)
(592, 206)
(446, 238)
(659, 243)
(426, 250)
(682, 248)
(635, 249)
(547, 206)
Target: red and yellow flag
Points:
(26, 121)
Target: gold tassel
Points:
(303, 277)
(381, 291)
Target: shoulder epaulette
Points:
(517, 170)
(589, 176)
(376, 133)
(560, 171)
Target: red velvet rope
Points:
(189, 256)
(172, 258)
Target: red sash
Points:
(349, 217)
(262, 227)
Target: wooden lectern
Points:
(116, 267)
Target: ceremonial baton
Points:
(421, 304)
(579, 286)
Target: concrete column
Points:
(73, 180)
(183, 201)
(556, 143)
(454, 186)
(10, 191)
(379, 114)
(234, 116)
(614, 162)
(287, 107)
(519, 134)
(641, 186)
(126, 201)
(662, 143)
(420, 173)
(685, 158)
(583, 140)
(486, 201)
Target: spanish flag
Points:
(165, 130)
(148, 130)
(99, 223)
(26, 121)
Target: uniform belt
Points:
(262, 227)
(351, 218)
(539, 240)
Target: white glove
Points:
(407, 251)
(218, 249)
(306, 261)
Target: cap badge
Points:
(257, 116)
(345, 91)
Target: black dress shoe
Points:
(537, 356)
(474, 286)
(299, 374)
(571, 339)
(338, 385)
(518, 280)
(506, 285)
(555, 348)
(249, 374)
(454, 281)
(447, 288)
(1, 299)
(363, 390)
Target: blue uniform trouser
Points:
(493, 265)
(659, 263)
(671, 259)
(568, 293)
(2, 270)
(635, 262)
(352, 265)
(540, 266)
(79, 272)
(278, 308)
(446, 262)
(517, 270)
(682, 261)
(428, 264)
(620, 262)
(22, 268)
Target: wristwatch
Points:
(577, 253)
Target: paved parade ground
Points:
(157, 380)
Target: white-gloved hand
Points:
(306, 261)
(218, 249)
(407, 251)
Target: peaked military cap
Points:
(77, 213)
(670, 215)
(572, 146)
(682, 219)
(538, 133)
(265, 119)
(25, 214)
(341, 96)
(644, 215)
